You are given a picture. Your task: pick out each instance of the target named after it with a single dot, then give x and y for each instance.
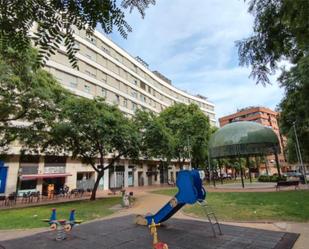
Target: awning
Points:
(41, 176)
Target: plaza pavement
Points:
(147, 202)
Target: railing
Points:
(53, 170)
(28, 170)
(85, 184)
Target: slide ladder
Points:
(211, 216)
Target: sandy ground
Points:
(150, 203)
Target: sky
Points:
(193, 44)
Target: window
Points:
(73, 84)
(103, 92)
(76, 45)
(104, 49)
(125, 102)
(143, 98)
(143, 85)
(87, 88)
(91, 39)
(30, 184)
(117, 99)
(88, 72)
(134, 106)
(149, 89)
(134, 94)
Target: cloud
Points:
(193, 44)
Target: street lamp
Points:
(298, 152)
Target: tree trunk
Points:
(266, 165)
(249, 167)
(277, 164)
(257, 164)
(241, 174)
(180, 164)
(220, 170)
(96, 185)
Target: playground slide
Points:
(190, 190)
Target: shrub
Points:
(273, 178)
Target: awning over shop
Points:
(41, 176)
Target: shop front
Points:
(42, 182)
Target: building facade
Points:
(104, 70)
(268, 118)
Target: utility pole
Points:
(299, 154)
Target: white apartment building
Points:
(108, 71)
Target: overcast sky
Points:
(193, 44)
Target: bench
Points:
(287, 184)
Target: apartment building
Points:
(268, 118)
(108, 71)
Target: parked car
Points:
(293, 173)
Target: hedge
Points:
(273, 178)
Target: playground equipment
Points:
(190, 190)
(153, 231)
(62, 226)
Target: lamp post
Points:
(189, 150)
(299, 154)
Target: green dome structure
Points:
(243, 139)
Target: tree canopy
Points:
(280, 32)
(92, 131)
(179, 132)
(55, 21)
(27, 94)
(294, 108)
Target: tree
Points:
(156, 141)
(189, 129)
(56, 20)
(27, 94)
(281, 32)
(90, 130)
(294, 108)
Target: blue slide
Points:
(190, 190)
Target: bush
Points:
(273, 178)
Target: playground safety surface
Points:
(122, 233)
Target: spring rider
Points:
(62, 226)
(153, 231)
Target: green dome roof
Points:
(243, 138)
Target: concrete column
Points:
(39, 185)
(106, 179)
(145, 169)
(126, 173)
(12, 174)
(71, 167)
(135, 178)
